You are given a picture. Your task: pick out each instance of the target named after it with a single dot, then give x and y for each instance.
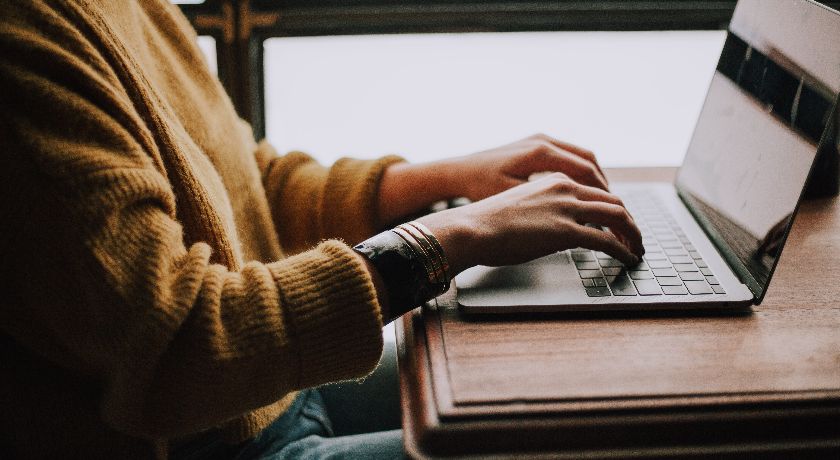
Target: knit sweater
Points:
(146, 296)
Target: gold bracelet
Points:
(438, 248)
(423, 241)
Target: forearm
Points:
(407, 189)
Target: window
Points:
(632, 97)
(368, 77)
(208, 47)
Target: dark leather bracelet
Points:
(402, 271)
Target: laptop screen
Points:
(771, 103)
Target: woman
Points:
(173, 289)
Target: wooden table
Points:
(765, 383)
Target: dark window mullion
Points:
(217, 18)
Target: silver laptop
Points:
(712, 239)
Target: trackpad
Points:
(550, 280)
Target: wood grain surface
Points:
(531, 383)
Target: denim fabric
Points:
(355, 422)
(305, 432)
(302, 432)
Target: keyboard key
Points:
(685, 267)
(690, 247)
(583, 256)
(680, 260)
(588, 282)
(588, 265)
(718, 289)
(655, 256)
(670, 244)
(692, 276)
(701, 263)
(639, 266)
(612, 271)
(712, 280)
(676, 252)
(675, 290)
(621, 285)
(706, 271)
(659, 264)
(590, 273)
(610, 263)
(603, 255)
(648, 287)
(574, 250)
(698, 287)
(651, 247)
(598, 291)
(664, 272)
(599, 281)
(640, 275)
(669, 281)
(695, 255)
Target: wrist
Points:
(458, 238)
(408, 267)
(448, 177)
(407, 188)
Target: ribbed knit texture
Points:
(146, 294)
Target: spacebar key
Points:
(621, 285)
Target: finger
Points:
(606, 242)
(587, 193)
(617, 221)
(579, 169)
(613, 216)
(574, 149)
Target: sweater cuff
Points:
(330, 302)
(351, 200)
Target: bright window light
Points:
(208, 47)
(632, 97)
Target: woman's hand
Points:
(535, 219)
(493, 171)
(409, 188)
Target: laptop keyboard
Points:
(671, 264)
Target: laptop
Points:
(712, 239)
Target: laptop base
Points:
(554, 284)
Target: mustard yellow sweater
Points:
(146, 296)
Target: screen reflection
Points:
(769, 104)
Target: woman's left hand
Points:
(493, 171)
(408, 188)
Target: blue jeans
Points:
(347, 420)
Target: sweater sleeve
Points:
(98, 278)
(310, 202)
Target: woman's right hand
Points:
(533, 220)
